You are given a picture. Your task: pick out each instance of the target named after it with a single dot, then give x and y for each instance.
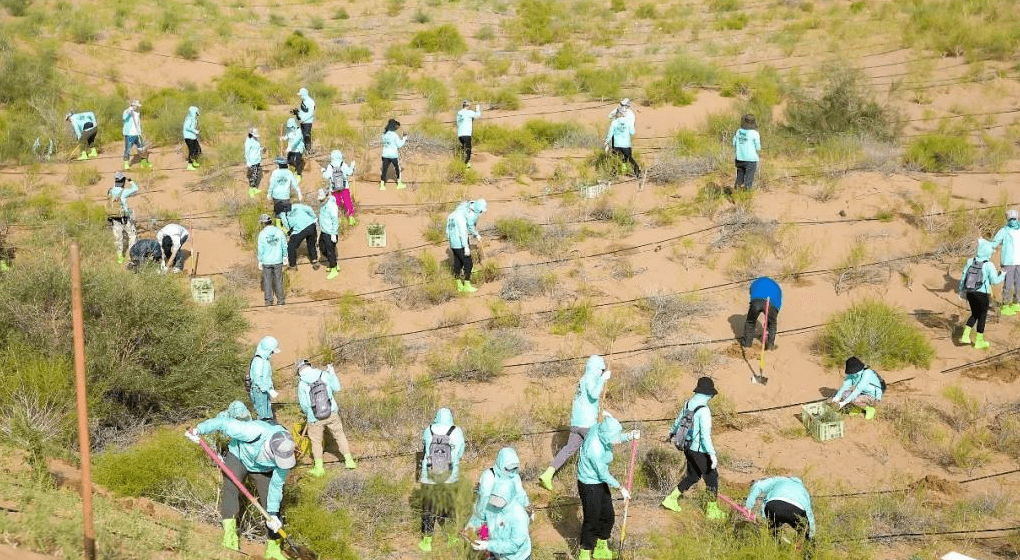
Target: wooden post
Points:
(89, 539)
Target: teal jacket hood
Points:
(610, 431)
(443, 417)
(336, 159)
(984, 250)
(585, 410)
(506, 460)
(267, 347)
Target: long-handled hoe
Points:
(292, 550)
(626, 503)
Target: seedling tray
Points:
(821, 421)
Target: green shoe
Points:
(120, 259)
(602, 551)
(127, 165)
(672, 502)
(84, 156)
(273, 551)
(333, 272)
(230, 534)
(93, 153)
(349, 461)
(4, 266)
(317, 470)
(252, 192)
(460, 285)
(583, 554)
(965, 337)
(191, 167)
(979, 341)
(869, 412)
(713, 512)
(145, 164)
(351, 221)
(468, 288)
(545, 481)
(426, 544)
(400, 185)
(382, 185)
(1009, 309)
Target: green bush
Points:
(17, 8)
(37, 403)
(538, 22)
(845, 106)
(162, 462)
(573, 319)
(646, 11)
(878, 334)
(296, 48)
(569, 56)
(353, 54)
(681, 73)
(936, 153)
(405, 56)
(243, 85)
(326, 531)
(187, 49)
(522, 232)
(976, 30)
(476, 356)
(444, 38)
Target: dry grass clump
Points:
(672, 313)
(476, 356)
(738, 224)
(670, 168)
(398, 414)
(699, 359)
(524, 282)
(921, 428)
(557, 366)
(375, 501)
(652, 379)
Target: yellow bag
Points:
(302, 444)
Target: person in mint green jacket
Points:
(465, 126)
(325, 419)
(260, 379)
(329, 227)
(619, 135)
(391, 144)
(253, 159)
(132, 131)
(702, 461)
(980, 269)
(442, 450)
(593, 483)
(505, 469)
(270, 250)
(295, 147)
(1009, 259)
(85, 128)
(190, 133)
(299, 223)
(305, 114)
(746, 144)
(260, 451)
(862, 387)
(508, 526)
(785, 500)
(583, 414)
(282, 183)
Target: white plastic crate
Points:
(376, 235)
(594, 191)
(202, 290)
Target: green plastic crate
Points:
(202, 290)
(810, 416)
(376, 235)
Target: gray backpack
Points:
(318, 394)
(683, 437)
(975, 277)
(441, 452)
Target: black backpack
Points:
(880, 381)
(318, 394)
(975, 277)
(683, 437)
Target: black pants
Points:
(386, 163)
(628, 155)
(461, 261)
(699, 467)
(437, 505)
(328, 249)
(779, 513)
(297, 161)
(978, 309)
(465, 144)
(295, 241)
(88, 137)
(597, 515)
(281, 206)
(755, 308)
(194, 149)
(255, 175)
(230, 496)
(306, 134)
(745, 173)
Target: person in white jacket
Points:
(465, 123)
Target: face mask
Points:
(1014, 223)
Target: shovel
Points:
(626, 503)
(289, 548)
(760, 378)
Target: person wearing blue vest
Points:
(1009, 259)
(620, 132)
(465, 123)
(593, 483)
(391, 144)
(765, 292)
(85, 128)
(442, 450)
(299, 223)
(270, 252)
(508, 524)
(190, 133)
(505, 469)
(307, 379)
(702, 461)
(260, 379)
(784, 500)
(258, 450)
(144, 251)
(584, 413)
(746, 145)
(862, 387)
(979, 295)
(253, 159)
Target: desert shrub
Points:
(295, 48)
(936, 153)
(397, 414)
(36, 401)
(522, 232)
(681, 73)
(645, 10)
(570, 55)
(374, 503)
(405, 56)
(143, 469)
(978, 30)
(17, 8)
(538, 22)
(648, 380)
(245, 86)
(437, 96)
(845, 105)
(387, 83)
(187, 49)
(326, 531)
(598, 82)
(353, 54)
(514, 165)
(574, 318)
(476, 356)
(878, 334)
(671, 313)
(84, 29)
(444, 38)
(521, 284)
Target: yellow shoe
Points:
(93, 153)
(230, 534)
(713, 512)
(84, 156)
(672, 502)
(426, 544)
(333, 272)
(979, 341)
(127, 165)
(965, 337)
(349, 461)
(602, 551)
(191, 167)
(545, 481)
(400, 185)
(273, 551)
(120, 259)
(317, 470)
(583, 554)
(468, 288)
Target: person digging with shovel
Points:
(765, 293)
(692, 434)
(462, 221)
(593, 483)
(265, 453)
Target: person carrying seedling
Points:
(975, 286)
(281, 183)
(765, 293)
(465, 124)
(391, 144)
(132, 131)
(785, 501)
(329, 226)
(508, 525)
(123, 224)
(315, 395)
(460, 222)
(190, 133)
(299, 223)
(620, 132)
(305, 114)
(583, 414)
(505, 469)
(593, 483)
(253, 159)
(862, 388)
(443, 448)
(172, 238)
(85, 127)
(144, 251)
(295, 148)
(259, 380)
(338, 174)
(270, 252)
(746, 145)
(1009, 259)
(265, 453)
(692, 434)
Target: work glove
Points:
(273, 394)
(329, 368)
(332, 238)
(163, 267)
(467, 251)
(274, 524)
(478, 237)
(624, 493)
(405, 138)
(606, 375)
(715, 462)
(260, 266)
(480, 545)
(192, 434)
(635, 434)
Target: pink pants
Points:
(343, 199)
